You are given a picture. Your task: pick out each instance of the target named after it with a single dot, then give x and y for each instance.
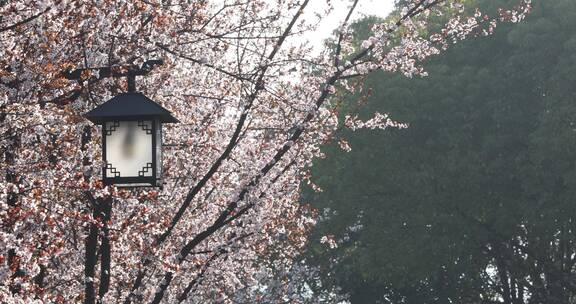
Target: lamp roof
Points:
(129, 106)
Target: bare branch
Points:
(22, 22)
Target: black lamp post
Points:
(132, 155)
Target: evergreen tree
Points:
(474, 202)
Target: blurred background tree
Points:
(475, 201)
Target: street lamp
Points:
(131, 138)
(131, 153)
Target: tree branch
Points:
(233, 142)
(22, 22)
(184, 295)
(341, 36)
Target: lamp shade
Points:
(129, 106)
(131, 139)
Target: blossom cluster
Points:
(254, 111)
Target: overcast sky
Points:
(379, 8)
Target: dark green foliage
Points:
(476, 201)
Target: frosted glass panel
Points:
(128, 148)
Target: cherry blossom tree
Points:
(255, 106)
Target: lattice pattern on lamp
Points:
(145, 169)
(109, 128)
(112, 170)
(145, 127)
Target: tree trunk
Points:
(105, 248)
(12, 202)
(91, 259)
(504, 280)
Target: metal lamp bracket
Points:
(130, 72)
